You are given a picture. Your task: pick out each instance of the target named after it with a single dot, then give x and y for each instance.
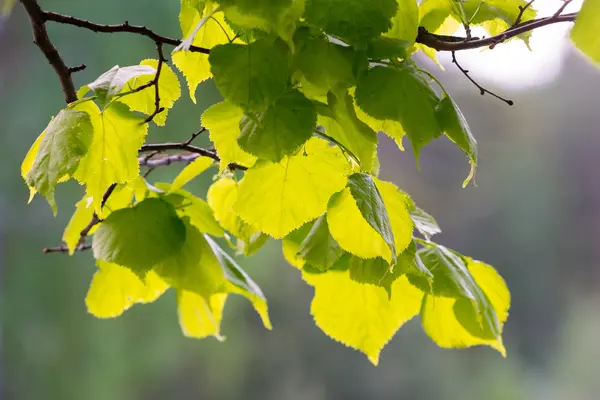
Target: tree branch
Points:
(453, 43)
(124, 27)
(189, 148)
(41, 39)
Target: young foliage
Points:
(307, 85)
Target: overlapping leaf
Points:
(107, 85)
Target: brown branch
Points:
(453, 43)
(157, 108)
(64, 249)
(191, 149)
(168, 160)
(41, 39)
(522, 10)
(482, 90)
(124, 27)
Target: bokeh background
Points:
(534, 214)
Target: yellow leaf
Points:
(391, 128)
(194, 65)
(114, 289)
(352, 232)
(80, 219)
(113, 155)
(198, 317)
(144, 100)
(190, 172)
(440, 321)
(395, 204)
(28, 162)
(360, 316)
(223, 122)
(279, 197)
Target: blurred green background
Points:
(535, 215)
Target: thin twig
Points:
(169, 159)
(78, 68)
(562, 8)
(522, 10)
(64, 249)
(124, 27)
(157, 108)
(482, 90)
(194, 136)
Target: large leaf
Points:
(113, 154)
(356, 21)
(223, 122)
(455, 126)
(145, 100)
(400, 95)
(251, 76)
(585, 32)
(114, 289)
(457, 323)
(406, 22)
(140, 237)
(274, 197)
(107, 85)
(194, 65)
(66, 140)
(360, 316)
(280, 130)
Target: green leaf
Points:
(251, 76)
(392, 129)
(141, 236)
(433, 13)
(385, 48)
(114, 289)
(406, 22)
(496, 16)
(107, 85)
(326, 65)
(66, 140)
(360, 316)
(355, 21)
(400, 95)
(585, 32)
(460, 323)
(113, 154)
(290, 245)
(215, 31)
(274, 198)
(223, 122)
(197, 210)
(371, 206)
(395, 203)
(455, 126)
(145, 100)
(190, 172)
(319, 248)
(344, 126)
(280, 130)
(424, 222)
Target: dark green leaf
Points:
(319, 248)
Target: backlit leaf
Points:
(191, 171)
(319, 248)
(585, 32)
(200, 317)
(405, 22)
(107, 85)
(359, 316)
(223, 122)
(274, 198)
(145, 100)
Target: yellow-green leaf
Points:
(279, 197)
(223, 122)
(114, 289)
(200, 317)
(360, 316)
(194, 65)
(144, 100)
(113, 154)
(585, 32)
(400, 220)
(190, 172)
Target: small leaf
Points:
(251, 76)
(281, 129)
(194, 65)
(79, 220)
(273, 197)
(145, 100)
(585, 32)
(29, 160)
(425, 223)
(360, 316)
(200, 317)
(190, 172)
(65, 142)
(319, 248)
(140, 237)
(454, 124)
(223, 122)
(114, 289)
(400, 95)
(107, 85)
